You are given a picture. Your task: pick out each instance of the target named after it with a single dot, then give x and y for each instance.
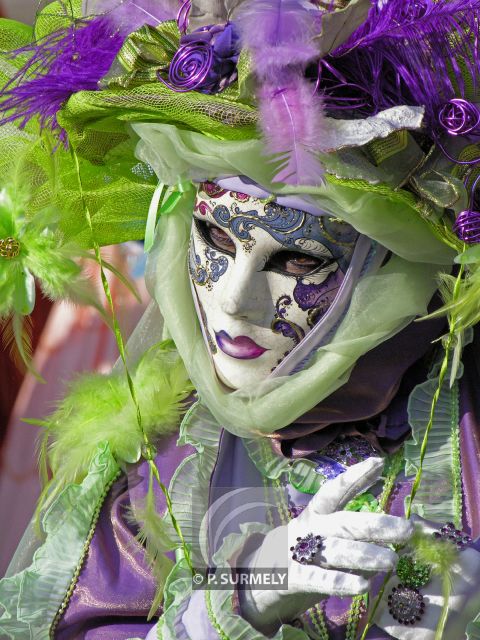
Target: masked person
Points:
(285, 414)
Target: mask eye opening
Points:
(215, 237)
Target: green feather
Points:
(439, 555)
(99, 407)
(464, 307)
(154, 536)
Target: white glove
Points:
(346, 560)
(152, 634)
(463, 604)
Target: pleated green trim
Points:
(439, 496)
(473, 629)
(301, 472)
(189, 484)
(231, 626)
(219, 603)
(32, 599)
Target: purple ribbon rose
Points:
(206, 60)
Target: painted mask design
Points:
(263, 275)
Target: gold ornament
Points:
(9, 248)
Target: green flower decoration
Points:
(364, 502)
(32, 251)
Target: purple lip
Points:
(242, 347)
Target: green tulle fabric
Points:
(118, 190)
(393, 218)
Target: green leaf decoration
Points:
(144, 54)
(469, 256)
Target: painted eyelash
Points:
(314, 272)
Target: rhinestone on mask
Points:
(306, 548)
(406, 605)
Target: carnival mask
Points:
(263, 276)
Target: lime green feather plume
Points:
(155, 537)
(99, 408)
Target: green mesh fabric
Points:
(117, 187)
(56, 16)
(88, 113)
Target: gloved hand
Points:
(352, 551)
(463, 604)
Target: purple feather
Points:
(293, 123)
(62, 64)
(415, 52)
(130, 15)
(279, 33)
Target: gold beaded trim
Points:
(86, 547)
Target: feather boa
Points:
(99, 407)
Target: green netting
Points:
(56, 16)
(117, 188)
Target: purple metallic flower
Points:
(459, 117)
(467, 226)
(184, 15)
(206, 60)
(190, 66)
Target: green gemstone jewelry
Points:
(412, 573)
(405, 603)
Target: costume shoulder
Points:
(94, 444)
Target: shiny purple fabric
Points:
(381, 379)
(470, 436)
(115, 589)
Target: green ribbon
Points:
(169, 199)
(144, 54)
(152, 217)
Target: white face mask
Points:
(263, 275)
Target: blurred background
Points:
(67, 341)
(23, 10)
